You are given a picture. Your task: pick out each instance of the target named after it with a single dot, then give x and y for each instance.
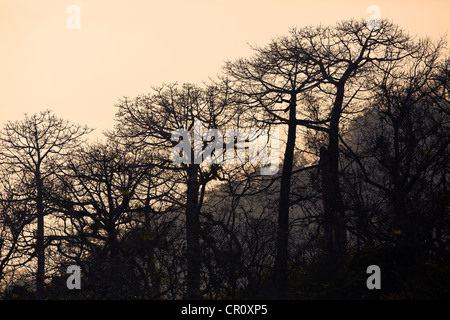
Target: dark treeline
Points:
(363, 117)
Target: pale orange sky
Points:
(125, 47)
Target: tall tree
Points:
(13, 220)
(28, 147)
(100, 185)
(346, 55)
(274, 82)
(322, 69)
(405, 144)
(152, 122)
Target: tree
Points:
(322, 69)
(404, 146)
(153, 122)
(100, 187)
(27, 148)
(13, 219)
(346, 55)
(275, 80)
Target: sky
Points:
(124, 48)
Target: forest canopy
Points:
(363, 121)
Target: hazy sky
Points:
(124, 47)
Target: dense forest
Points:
(362, 116)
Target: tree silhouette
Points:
(157, 210)
(150, 121)
(28, 147)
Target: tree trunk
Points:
(193, 234)
(282, 256)
(114, 279)
(155, 289)
(335, 233)
(40, 246)
(327, 217)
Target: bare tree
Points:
(274, 82)
(401, 146)
(149, 122)
(13, 219)
(27, 148)
(100, 188)
(322, 69)
(346, 56)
